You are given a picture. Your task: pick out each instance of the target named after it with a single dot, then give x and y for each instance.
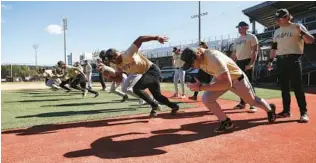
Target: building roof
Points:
(264, 12)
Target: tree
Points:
(5, 71)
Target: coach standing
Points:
(87, 69)
(288, 47)
(245, 54)
(101, 77)
(179, 73)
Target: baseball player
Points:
(288, 47)
(128, 83)
(245, 54)
(50, 79)
(132, 62)
(110, 72)
(202, 76)
(226, 76)
(76, 76)
(179, 74)
(87, 69)
(101, 77)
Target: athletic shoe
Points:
(153, 112)
(252, 109)
(125, 97)
(158, 108)
(96, 95)
(224, 126)
(271, 114)
(174, 110)
(84, 93)
(304, 118)
(183, 97)
(175, 95)
(193, 98)
(284, 114)
(240, 106)
(141, 102)
(68, 91)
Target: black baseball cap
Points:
(60, 63)
(188, 56)
(107, 55)
(282, 13)
(174, 49)
(242, 24)
(202, 43)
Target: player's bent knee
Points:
(207, 98)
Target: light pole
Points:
(35, 47)
(64, 29)
(199, 22)
(199, 16)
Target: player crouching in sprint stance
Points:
(117, 79)
(77, 77)
(227, 76)
(132, 62)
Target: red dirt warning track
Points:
(189, 137)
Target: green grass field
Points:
(25, 108)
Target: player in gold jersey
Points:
(132, 62)
(227, 76)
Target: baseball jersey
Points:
(217, 63)
(178, 63)
(48, 74)
(243, 44)
(133, 62)
(289, 40)
(72, 71)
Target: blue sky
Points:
(101, 25)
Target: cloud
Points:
(54, 29)
(6, 7)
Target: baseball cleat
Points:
(271, 115)
(174, 110)
(224, 126)
(304, 118)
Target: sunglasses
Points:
(243, 27)
(278, 18)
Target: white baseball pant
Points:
(115, 85)
(89, 81)
(52, 84)
(128, 84)
(179, 74)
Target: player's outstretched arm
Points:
(138, 42)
